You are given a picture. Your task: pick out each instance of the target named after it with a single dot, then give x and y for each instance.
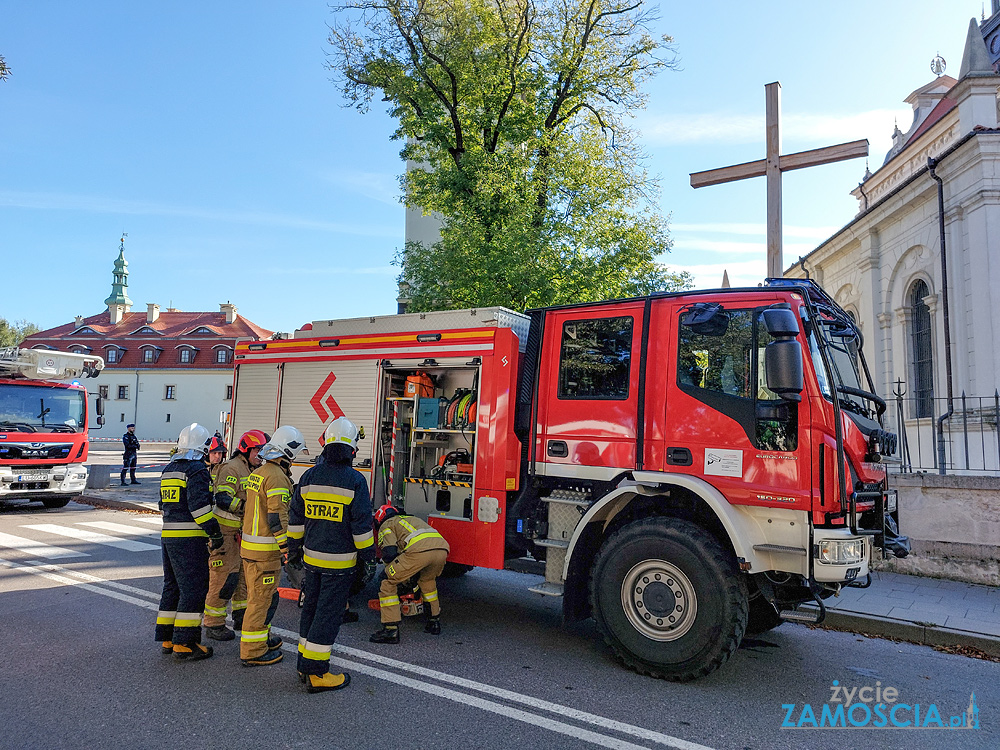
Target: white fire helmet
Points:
(286, 442)
(193, 441)
(343, 430)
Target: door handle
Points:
(679, 457)
(558, 448)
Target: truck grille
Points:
(22, 451)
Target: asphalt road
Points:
(79, 668)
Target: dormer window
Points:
(111, 356)
(85, 331)
(146, 331)
(222, 356)
(149, 355)
(186, 356)
(201, 331)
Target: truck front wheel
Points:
(669, 599)
(55, 502)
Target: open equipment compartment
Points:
(427, 437)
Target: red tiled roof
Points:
(170, 332)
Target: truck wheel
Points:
(763, 616)
(669, 599)
(55, 502)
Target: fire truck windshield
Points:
(40, 408)
(841, 341)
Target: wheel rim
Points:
(659, 600)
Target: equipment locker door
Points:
(255, 401)
(588, 391)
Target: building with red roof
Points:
(163, 369)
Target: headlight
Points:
(840, 551)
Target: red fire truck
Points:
(689, 466)
(43, 424)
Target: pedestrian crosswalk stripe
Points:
(119, 528)
(89, 536)
(156, 520)
(33, 547)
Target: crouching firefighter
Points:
(410, 547)
(264, 543)
(225, 573)
(330, 531)
(188, 523)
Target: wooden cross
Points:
(772, 167)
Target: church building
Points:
(919, 267)
(163, 369)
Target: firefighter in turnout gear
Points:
(264, 543)
(410, 547)
(188, 523)
(225, 566)
(330, 532)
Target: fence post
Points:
(996, 415)
(965, 430)
(904, 447)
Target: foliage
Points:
(14, 332)
(513, 114)
(4, 70)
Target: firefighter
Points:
(330, 532)
(216, 457)
(225, 577)
(410, 547)
(264, 543)
(188, 521)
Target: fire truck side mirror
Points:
(99, 407)
(100, 421)
(783, 369)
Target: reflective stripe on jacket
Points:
(186, 500)
(265, 518)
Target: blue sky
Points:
(211, 133)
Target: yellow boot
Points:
(167, 647)
(320, 683)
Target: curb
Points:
(912, 632)
(107, 502)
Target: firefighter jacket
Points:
(265, 518)
(186, 501)
(330, 516)
(410, 534)
(231, 491)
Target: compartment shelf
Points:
(438, 482)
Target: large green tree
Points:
(14, 332)
(515, 113)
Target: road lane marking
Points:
(119, 528)
(53, 572)
(86, 577)
(32, 547)
(156, 520)
(93, 537)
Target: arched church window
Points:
(923, 358)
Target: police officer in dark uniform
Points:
(131, 455)
(329, 532)
(188, 523)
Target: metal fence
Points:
(966, 442)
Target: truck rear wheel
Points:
(55, 502)
(668, 598)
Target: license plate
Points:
(32, 477)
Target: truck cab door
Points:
(588, 391)
(722, 423)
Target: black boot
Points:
(388, 634)
(433, 626)
(350, 616)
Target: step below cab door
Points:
(588, 391)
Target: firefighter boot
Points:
(270, 657)
(273, 642)
(219, 633)
(166, 647)
(433, 626)
(194, 652)
(316, 683)
(349, 616)
(388, 634)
